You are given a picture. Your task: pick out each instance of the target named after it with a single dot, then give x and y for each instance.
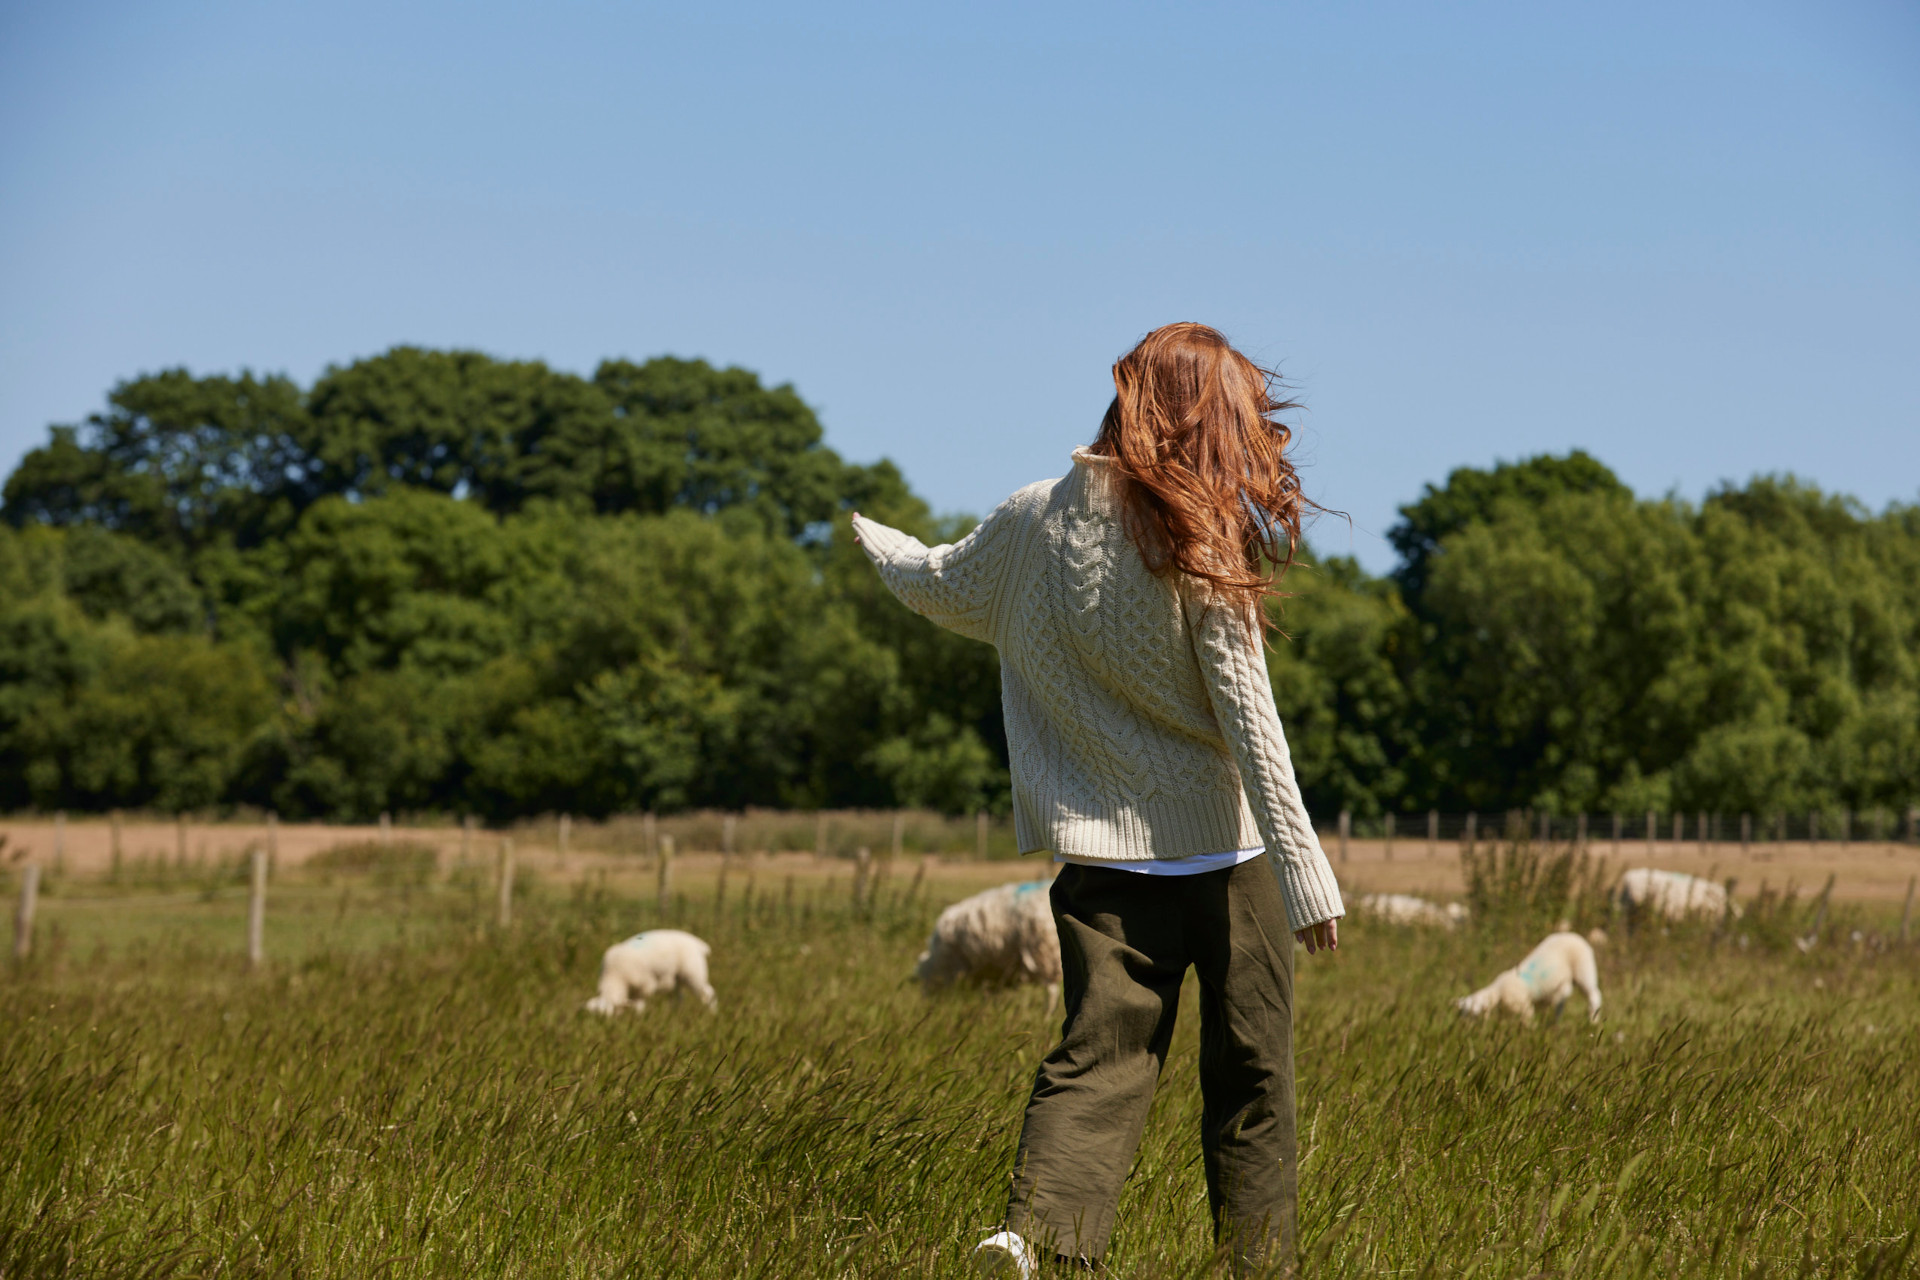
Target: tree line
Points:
(440, 582)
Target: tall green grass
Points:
(421, 1095)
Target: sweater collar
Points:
(1094, 479)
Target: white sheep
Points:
(1003, 935)
(1674, 894)
(1548, 975)
(1404, 908)
(649, 964)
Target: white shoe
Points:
(1004, 1256)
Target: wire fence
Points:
(1838, 826)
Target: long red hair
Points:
(1207, 490)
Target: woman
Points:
(1127, 600)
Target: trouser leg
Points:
(1092, 1092)
(1245, 964)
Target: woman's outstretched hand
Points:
(1324, 936)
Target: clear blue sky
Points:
(1685, 237)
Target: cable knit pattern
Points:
(1139, 720)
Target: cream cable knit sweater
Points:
(1134, 712)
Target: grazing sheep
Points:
(1003, 935)
(649, 964)
(1548, 975)
(1404, 908)
(1674, 894)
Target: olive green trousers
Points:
(1126, 941)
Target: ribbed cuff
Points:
(1311, 892)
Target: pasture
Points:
(407, 1089)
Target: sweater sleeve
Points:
(1242, 698)
(955, 584)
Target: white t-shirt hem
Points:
(1194, 865)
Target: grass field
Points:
(406, 1090)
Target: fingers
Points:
(1324, 936)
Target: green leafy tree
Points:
(1472, 496)
(175, 460)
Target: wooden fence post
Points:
(726, 835)
(1813, 827)
(257, 910)
(1652, 831)
(115, 855)
(23, 914)
(1819, 915)
(1389, 835)
(179, 840)
(820, 837)
(1700, 832)
(504, 914)
(386, 829)
(1913, 823)
(1580, 830)
(1546, 826)
(665, 874)
(1906, 912)
(1433, 830)
(1746, 830)
(980, 835)
(60, 842)
(1473, 829)
(1346, 828)
(862, 859)
(273, 842)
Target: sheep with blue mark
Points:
(649, 964)
(1002, 936)
(1549, 974)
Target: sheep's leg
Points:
(693, 977)
(1053, 997)
(613, 988)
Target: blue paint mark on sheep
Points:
(1530, 970)
(1032, 886)
(640, 937)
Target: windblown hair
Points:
(1207, 489)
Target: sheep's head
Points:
(1475, 1005)
(937, 966)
